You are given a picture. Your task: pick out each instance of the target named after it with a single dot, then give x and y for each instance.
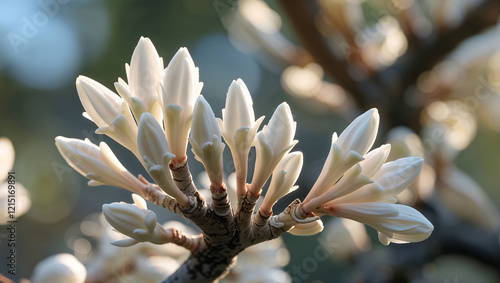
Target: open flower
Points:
(156, 155)
(206, 141)
(135, 221)
(272, 143)
(144, 74)
(98, 163)
(238, 127)
(284, 176)
(108, 111)
(178, 92)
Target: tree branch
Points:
(302, 14)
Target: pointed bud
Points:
(239, 128)
(374, 160)
(144, 74)
(97, 163)
(273, 142)
(392, 178)
(284, 176)
(108, 111)
(134, 222)
(395, 223)
(156, 155)
(347, 150)
(178, 93)
(206, 141)
(360, 135)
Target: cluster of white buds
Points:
(168, 108)
(360, 186)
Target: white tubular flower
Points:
(239, 128)
(98, 163)
(156, 154)
(307, 229)
(272, 143)
(392, 178)
(206, 141)
(136, 222)
(177, 94)
(144, 74)
(108, 111)
(395, 223)
(59, 268)
(284, 176)
(347, 150)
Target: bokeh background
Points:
(45, 45)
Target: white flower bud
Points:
(177, 94)
(395, 223)
(59, 268)
(347, 150)
(138, 224)
(374, 160)
(239, 128)
(108, 111)
(360, 135)
(273, 142)
(392, 178)
(144, 75)
(156, 154)
(97, 163)
(206, 141)
(284, 176)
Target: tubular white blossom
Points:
(156, 154)
(272, 143)
(347, 150)
(238, 127)
(206, 141)
(97, 163)
(108, 111)
(138, 224)
(395, 223)
(144, 74)
(284, 176)
(177, 94)
(392, 178)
